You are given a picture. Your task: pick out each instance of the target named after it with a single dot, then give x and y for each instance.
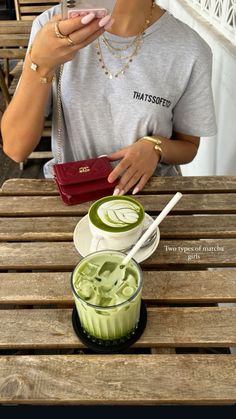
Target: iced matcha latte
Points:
(108, 307)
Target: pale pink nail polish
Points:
(122, 192)
(88, 18)
(136, 190)
(104, 21)
(116, 192)
(109, 24)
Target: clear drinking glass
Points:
(108, 309)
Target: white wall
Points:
(216, 155)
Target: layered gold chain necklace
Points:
(125, 53)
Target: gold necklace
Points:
(136, 43)
(123, 69)
(119, 52)
(125, 54)
(124, 48)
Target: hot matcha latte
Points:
(116, 213)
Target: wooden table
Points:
(193, 269)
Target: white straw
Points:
(152, 227)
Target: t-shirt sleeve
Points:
(194, 113)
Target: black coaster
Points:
(106, 347)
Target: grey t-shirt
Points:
(166, 88)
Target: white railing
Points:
(220, 13)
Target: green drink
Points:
(108, 310)
(116, 213)
(115, 222)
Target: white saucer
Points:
(82, 239)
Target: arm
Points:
(22, 123)
(139, 161)
(181, 149)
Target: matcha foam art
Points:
(116, 214)
(119, 213)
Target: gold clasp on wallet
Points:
(84, 169)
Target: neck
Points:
(130, 16)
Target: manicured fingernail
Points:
(136, 190)
(116, 192)
(122, 192)
(109, 24)
(104, 21)
(88, 18)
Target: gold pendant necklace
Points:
(136, 44)
(129, 59)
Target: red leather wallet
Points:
(84, 180)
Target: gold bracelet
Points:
(34, 67)
(157, 141)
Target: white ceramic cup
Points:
(115, 222)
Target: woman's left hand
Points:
(137, 164)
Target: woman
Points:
(138, 73)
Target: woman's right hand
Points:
(49, 50)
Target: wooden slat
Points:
(38, 228)
(29, 187)
(40, 155)
(163, 287)
(166, 327)
(15, 27)
(163, 184)
(28, 18)
(63, 255)
(47, 123)
(193, 184)
(62, 228)
(4, 88)
(171, 287)
(190, 227)
(104, 379)
(46, 2)
(47, 133)
(17, 53)
(34, 10)
(53, 205)
(14, 40)
(26, 10)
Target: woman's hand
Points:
(138, 162)
(49, 50)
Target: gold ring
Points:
(58, 32)
(70, 42)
